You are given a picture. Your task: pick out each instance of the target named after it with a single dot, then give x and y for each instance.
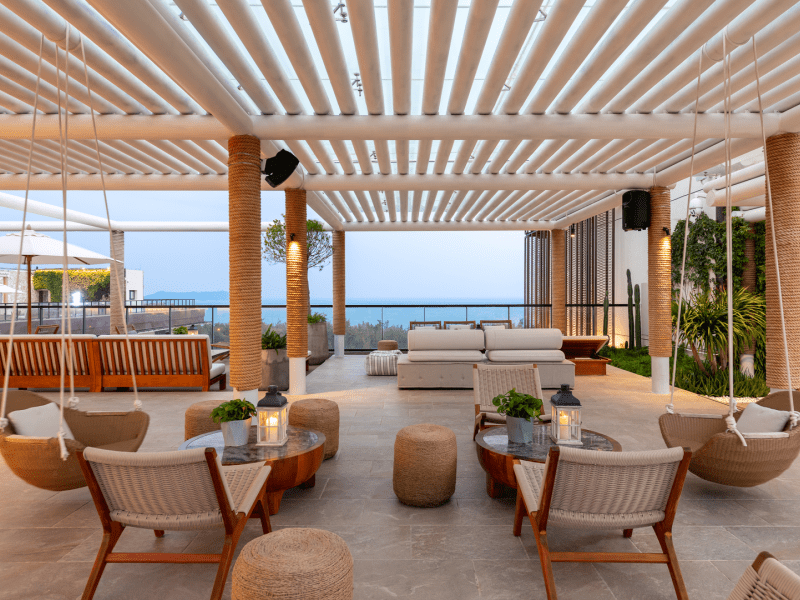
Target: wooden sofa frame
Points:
(101, 363)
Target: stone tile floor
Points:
(463, 550)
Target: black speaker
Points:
(280, 167)
(635, 210)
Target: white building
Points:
(134, 285)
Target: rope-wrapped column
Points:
(339, 298)
(783, 160)
(659, 288)
(244, 248)
(558, 276)
(747, 357)
(296, 289)
(117, 274)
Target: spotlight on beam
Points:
(279, 168)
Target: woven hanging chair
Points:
(719, 455)
(37, 461)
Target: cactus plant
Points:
(605, 315)
(631, 325)
(638, 316)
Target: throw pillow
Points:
(39, 421)
(760, 419)
(460, 326)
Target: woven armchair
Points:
(182, 490)
(586, 489)
(767, 579)
(489, 381)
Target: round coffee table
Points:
(295, 463)
(496, 454)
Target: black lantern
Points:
(273, 418)
(280, 167)
(565, 424)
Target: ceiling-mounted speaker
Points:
(280, 167)
(635, 210)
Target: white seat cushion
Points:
(39, 421)
(441, 339)
(445, 356)
(760, 419)
(217, 369)
(523, 339)
(525, 355)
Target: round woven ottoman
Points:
(424, 465)
(387, 345)
(198, 418)
(319, 414)
(306, 564)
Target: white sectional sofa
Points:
(443, 358)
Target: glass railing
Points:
(366, 324)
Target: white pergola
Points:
(488, 114)
(405, 115)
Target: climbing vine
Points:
(94, 284)
(706, 261)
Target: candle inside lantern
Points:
(563, 423)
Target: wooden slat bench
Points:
(36, 361)
(161, 361)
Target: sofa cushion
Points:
(523, 339)
(217, 369)
(445, 339)
(445, 356)
(525, 355)
(760, 419)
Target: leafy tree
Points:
(319, 244)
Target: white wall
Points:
(134, 280)
(9, 277)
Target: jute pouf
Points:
(424, 465)
(387, 345)
(297, 563)
(319, 414)
(198, 418)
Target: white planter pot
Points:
(236, 433)
(520, 431)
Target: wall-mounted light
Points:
(572, 230)
(291, 237)
(280, 167)
(666, 230)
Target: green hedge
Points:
(94, 284)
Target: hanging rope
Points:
(671, 406)
(794, 416)
(730, 421)
(66, 353)
(137, 403)
(7, 374)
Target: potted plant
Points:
(234, 421)
(520, 410)
(274, 360)
(317, 339)
(180, 330)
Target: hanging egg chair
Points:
(718, 455)
(37, 460)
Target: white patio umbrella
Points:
(40, 249)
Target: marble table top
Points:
(300, 441)
(495, 439)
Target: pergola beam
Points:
(339, 183)
(404, 127)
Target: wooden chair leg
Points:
(519, 512)
(627, 533)
(665, 540)
(260, 510)
(110, 539)
(547, 565)
(226, 558)
(159, 533)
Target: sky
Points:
(484, 265)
